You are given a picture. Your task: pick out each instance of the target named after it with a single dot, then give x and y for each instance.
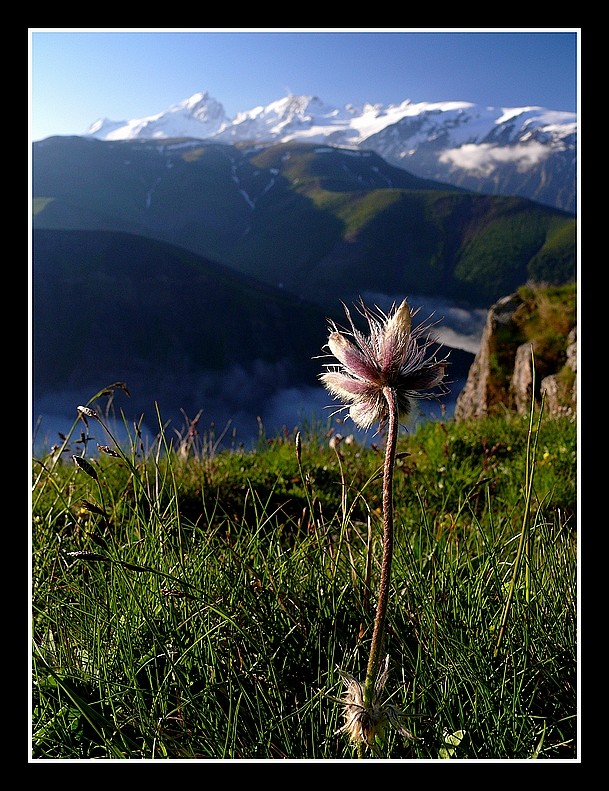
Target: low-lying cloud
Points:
(484, 158)
(239, 403)
(454, 325)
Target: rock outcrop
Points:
(510, 365)
(555, 402)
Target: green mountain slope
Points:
(180, 330)
(320, 222)
(115, 307)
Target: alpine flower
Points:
(393, 354)
(378, 377)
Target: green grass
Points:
(196, 603)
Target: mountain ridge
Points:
(314, 219)
(528, 151)
(183, 332)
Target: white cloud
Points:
(484, 159)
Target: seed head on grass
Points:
(87, 412)
(367, 724)
(85, 466)
(107, 450)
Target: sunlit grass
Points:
(190, 602)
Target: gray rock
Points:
(501, 376)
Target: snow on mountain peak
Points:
(201, 106)
(102, 127)
(300, 109)
(455, 141)
(199, 116)
(309, 118)
(194, 100)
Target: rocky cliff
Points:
(529, 344)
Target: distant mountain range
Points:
(201, 273)
(321, 222)
(181, 331)
(524, 151)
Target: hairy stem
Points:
(381, 609)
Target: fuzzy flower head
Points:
(367, 725)
(392, 354)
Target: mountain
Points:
(179, 330)
(201, 273)
(198, 116)
(524, 151)
(321, 222)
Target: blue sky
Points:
(78, 75)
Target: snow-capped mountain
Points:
(199, 116)
(525, 151)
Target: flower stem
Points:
(381, 608)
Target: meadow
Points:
(195, 600)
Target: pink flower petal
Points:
(365, 414)
(425, 378)
(344, 386)
(394, 341)
(351, 357)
